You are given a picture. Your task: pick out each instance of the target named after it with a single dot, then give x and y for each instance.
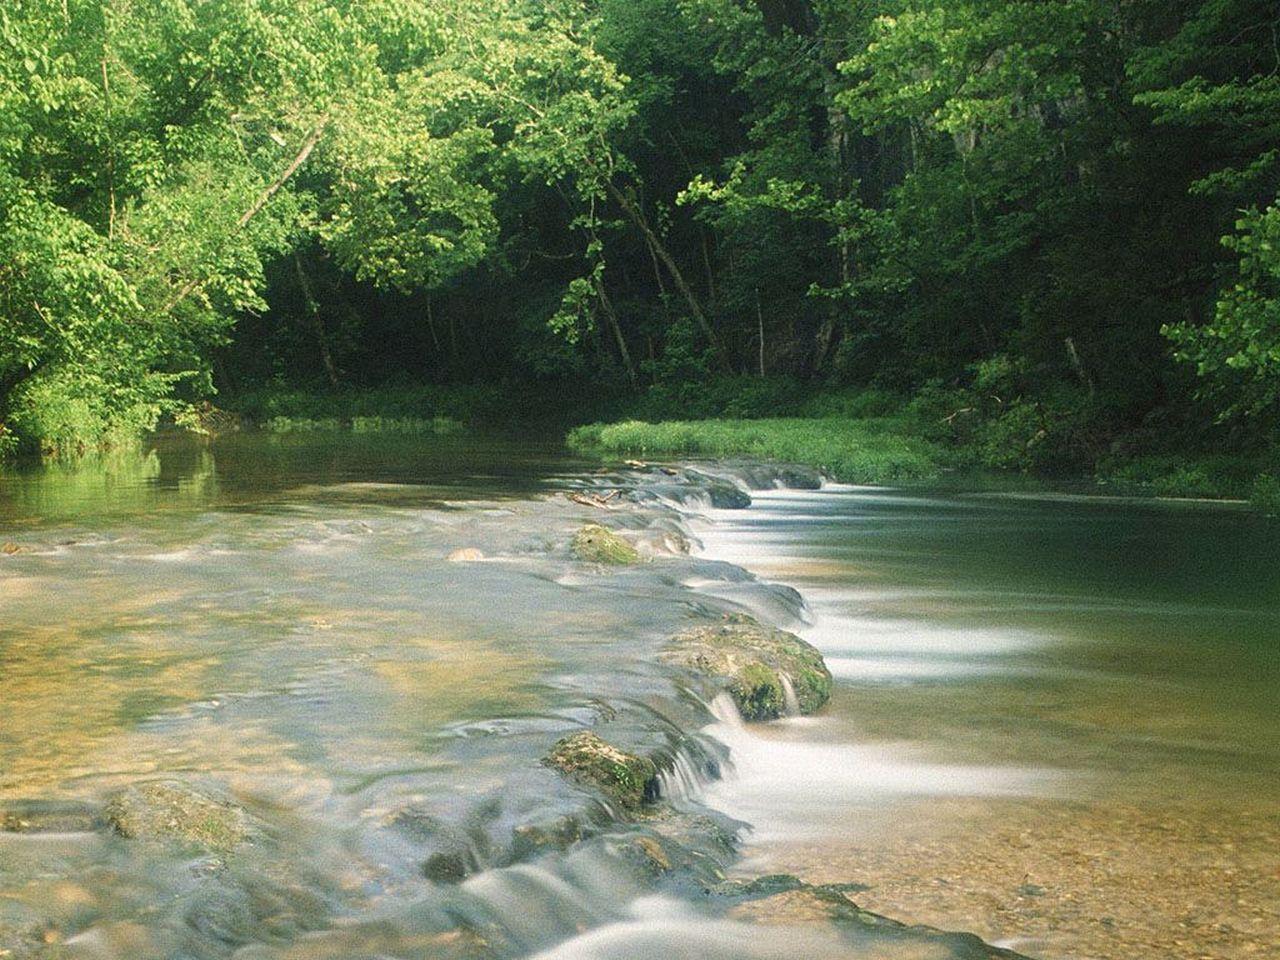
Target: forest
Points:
(1044, 232)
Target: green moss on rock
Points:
(754, 664)
(174, 812)
(597, 544)
(624, 778)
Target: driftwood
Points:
(594, 500)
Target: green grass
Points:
(395, 408)
(405, 426)
(1230, 476)
(873, 450)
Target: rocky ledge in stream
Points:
(599, 811)
(768, 673)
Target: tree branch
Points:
(270, 191)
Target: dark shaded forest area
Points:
(1049, 228)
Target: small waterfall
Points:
(726, 711)
(789, 696)
(688, 764)
(681, 780)
(535, 905)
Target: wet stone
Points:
(530, 839)
(755, 664)
(597, 544)
(170, 811)
(452, 867)
(49, 817)
(784, 900)
(624, 778)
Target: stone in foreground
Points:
(626, 779)
(597, 544)
(174, 812)
(755, 664)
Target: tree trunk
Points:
(677, 276)
(270, 191)
(760, 329)
(611, 318)
(317, 322)
(10, 382)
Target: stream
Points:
(1056, 719)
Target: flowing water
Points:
(1057, 719)
(1036, 700)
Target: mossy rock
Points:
(626, 779)
(531, 839)
(169, 811)
(728, 496)
(597, 544)
(751, 661)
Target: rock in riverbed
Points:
(597, 544)
(756, 665)
(785, 900)
(46, 816)
(624, 778)
(170, 811)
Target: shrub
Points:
(1265, 496)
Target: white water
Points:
(801, 778)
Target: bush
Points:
(388, 407)
(61, 414)
(1265, 496)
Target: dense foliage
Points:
(1052, 222)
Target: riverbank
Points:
(873, 450)
(891, 449)
(855, 435)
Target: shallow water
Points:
(275, 621)
(1057, 721)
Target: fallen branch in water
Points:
(593, 500)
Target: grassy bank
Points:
(871, 436)
(397, 408)
(871, 450)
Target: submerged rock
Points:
(728, 496)
(49, 816)
(624, 778)
(760, 667)
(529, 840)
(785, 900)
(174, 812)
(597, 544)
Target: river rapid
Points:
(1054, 723)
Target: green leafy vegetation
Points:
(854, 451)
(1041, 236)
